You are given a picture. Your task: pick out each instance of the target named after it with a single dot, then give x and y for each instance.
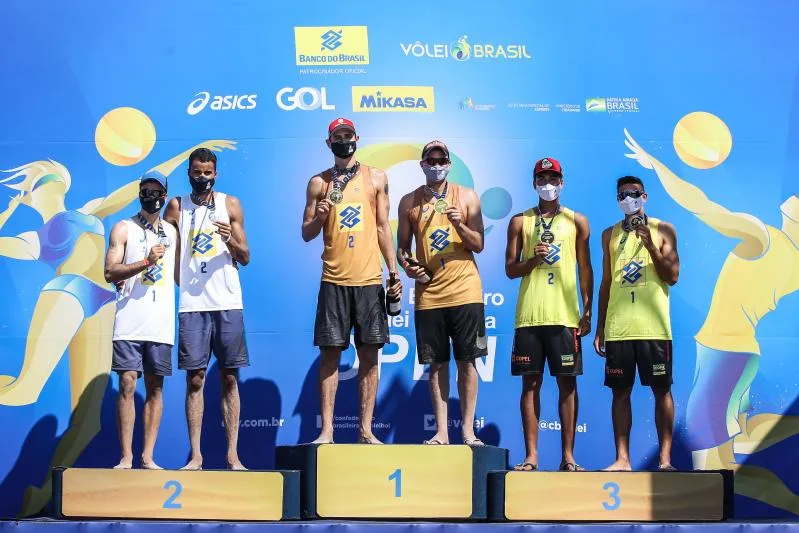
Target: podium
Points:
(392, 481)
(611, 496)
(176, 494)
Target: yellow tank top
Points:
(351, 255)
(639, 300)
(456, 280)
(746, 290)
(548, 294)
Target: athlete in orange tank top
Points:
(349, 205)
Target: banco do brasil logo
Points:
(331, 45)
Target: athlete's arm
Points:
(233, 233)
(405, 236)
(172, 213)
(584, 270)
(316, 211)
(384, 237)
(471, 233)
(604, 293)
(665, 259)
(515, 267)
(115, 270)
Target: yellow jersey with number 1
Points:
(638, 307)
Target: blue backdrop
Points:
(503, 84)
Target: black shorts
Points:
(559, 346)
(464, 324)
(653, 358)
(340, 308)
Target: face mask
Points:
(549, 192)
(436, 173)
(630, 205)
(151, 205)
(342, 149)
(199, 185)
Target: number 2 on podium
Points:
(613, 493)
(170, 502)
(396, 475)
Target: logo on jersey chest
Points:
(439, 240)
(633, 272)
(202, 242)
(555, 253)
(153, 275)
(350, 217)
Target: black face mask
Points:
(199, 185)
(151, 205)
(343, 149)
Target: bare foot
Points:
(126, 463)
(149, 465)
(621, 465)
(324, 438)
(236, 466)
(196, 463)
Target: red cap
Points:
(340, 123)
(547, 164)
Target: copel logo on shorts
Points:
(439, 239)
(153, 275)
(632, 272)
(350, 217)
(202, 242)
(659, 369)
(553, 256)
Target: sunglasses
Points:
(629, 194)
(433, 161)
(151, 193)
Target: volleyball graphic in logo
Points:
(702, 140)
(124, 136)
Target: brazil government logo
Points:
(350, 216)
(331, 45)
(393, 99)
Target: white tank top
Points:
(146, 303)
(209, 278)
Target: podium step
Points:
(611, 496)
(176, 494)
(392, 480)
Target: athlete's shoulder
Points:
(580, 220)
(119, 232)
(607, 232)
(378, 175)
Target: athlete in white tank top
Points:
(209, 276)
(146, 302)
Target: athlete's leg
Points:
(664, 421)
(567, 409)
(367, 390)
(153, 407)
(126, 416)
(467, 393)
(195, 406)
(530, 405)
(231, 409)
(328, 385)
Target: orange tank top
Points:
(351, 255)
(456, 280)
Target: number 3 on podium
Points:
(613, 494)
(170, 502)
(396, 475)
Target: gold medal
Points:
(336, 196)
(441, 206)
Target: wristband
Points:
(146, 262)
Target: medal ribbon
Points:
(347, 173)
(438, 195)
(147, 226)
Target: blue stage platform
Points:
(57, 526)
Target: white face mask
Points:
(548, 192)
(630, 205)
(436, 173)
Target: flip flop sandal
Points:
(666, 468)
(474, 442)
(364, 440)
(525, 467)
(435, 442)
(571, 467)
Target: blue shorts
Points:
(201, 332)
(142, 356)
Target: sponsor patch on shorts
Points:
(659, 369)
(567, 360)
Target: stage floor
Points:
(331, 526)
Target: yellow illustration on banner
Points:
(78, 299)
(762, 269)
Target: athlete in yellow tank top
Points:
(349, 204)
(639, 264)
(547, 247)
(758, 273)
(445, 220)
